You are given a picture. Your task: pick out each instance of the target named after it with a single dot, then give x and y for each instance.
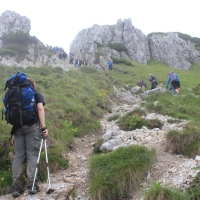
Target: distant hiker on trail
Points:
(175, 82)
(26, 131)
(142, 84)
(64, 55)
(153, 81)
(76, 64)
(71, 58)
(80, 62)
(60, 55)
(83, 61)
(55, 49)
(110, 65)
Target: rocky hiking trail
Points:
(175, 170)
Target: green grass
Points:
(116, 174)
(159, 192)
(186, 142)
(135, 120)
(75, 100)
(194, 189)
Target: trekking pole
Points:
(38, 160)
(50, 190)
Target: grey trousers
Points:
(27, 143)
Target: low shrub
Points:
(5, 181)
(98, 44)
(7, 52)
(153, 123)
(96, 148)
(114, 175)
(159, 192)
(132, 120)
(19, 38)
(5, 164)
(184, 142)
(118, 46)
(113, 117)
(121, 61)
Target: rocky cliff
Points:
(25, 54)
(99, 44)
(174, 51)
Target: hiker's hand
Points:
(45, 131)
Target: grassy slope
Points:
(76, 99)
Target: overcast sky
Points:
(57, 22)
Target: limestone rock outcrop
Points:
(100, 43)
(11, 22)
(171, 49)
(92, 44)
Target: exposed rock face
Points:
(174, 51)
(13, 22)
(92, 44)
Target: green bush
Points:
(5, 181)
(184, 142)
(98, 44)
(19, 38)
(159, 192)
(7, 52)
(96, 148)
(113, 118)
(153, 123)
(118, 46)
(114, 175)
(132, 120)
(5, 164)
(121, 61)
(196, 89)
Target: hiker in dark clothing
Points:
(153, 81)
(64, 55)
(26, 141)
(60, 55)
(71, 58)
(142, 84)
(80, 62)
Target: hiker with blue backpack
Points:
(110, 65)
(24, 110)
(175, 82)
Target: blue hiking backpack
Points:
(19, 100)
